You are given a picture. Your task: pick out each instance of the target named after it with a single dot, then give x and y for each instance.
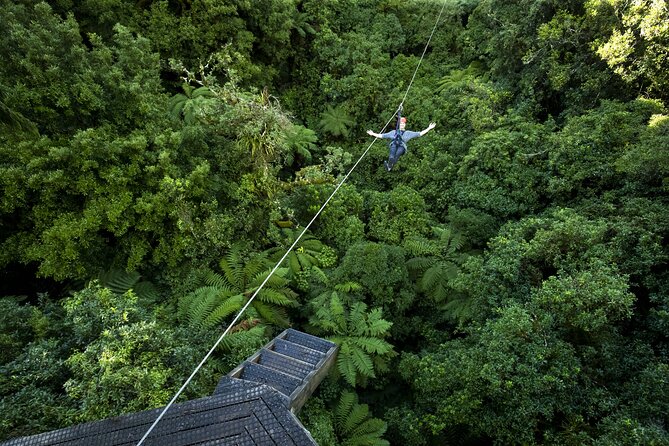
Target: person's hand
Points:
(432, 125)
(371, 133)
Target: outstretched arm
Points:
(429, 127)
(375, 135)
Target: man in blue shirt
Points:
(398, 145)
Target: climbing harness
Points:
(397, 145)
(339, 185)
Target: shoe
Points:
(388, 168)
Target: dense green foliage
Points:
(506, 283)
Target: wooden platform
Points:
(254, 405)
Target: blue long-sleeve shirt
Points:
(406, 135)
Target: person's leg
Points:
(392, 157)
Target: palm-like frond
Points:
(346, 402)
(420, 246)
(362, 362)
(300, 23)
(345, 364)
(196, 306)
(420, 264)
(373, 345)
(226, 293)
(300, 140)
(354, 424)
(214, 279)
(226, 308)
(336, 121)
(271, 313)
(120, 281)
(357, 331)
(186, 105)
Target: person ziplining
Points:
(399, 138)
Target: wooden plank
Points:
(300, 396)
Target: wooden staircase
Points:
(254, 405)
(293, 363)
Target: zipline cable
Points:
(434, 28)
(278, 264)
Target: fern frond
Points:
(271, 313)
(222, 311)
(457, 241)
(234, 340)
(232, 269)
(376, 325)
(362, 362)
(366, 440)
(277, 280)
(420, 246)
(346, 402)
(319, 274)
(373, 345)
(420, 264)
(373, 427)
(431, 278)
(119, 281)
(439, 293)
(202, 302)
(276, 297)
(146, 290)
(217, 280)
(450, 269)
(357, 414)
(255, 267)
(460, 308)
(348, 287)
(356, 318)
(337, 311)
(345, 364)
(324, 324)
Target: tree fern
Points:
(346, 402)
(222, 295)
(354, 424)
(303, 260)
(300, 141)
(187, 104)
(336, 121)
(373, 345)
(120, 281)
(437, 261)
(459, 79)
(224, 309)
(300, 23)
(358, 332)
